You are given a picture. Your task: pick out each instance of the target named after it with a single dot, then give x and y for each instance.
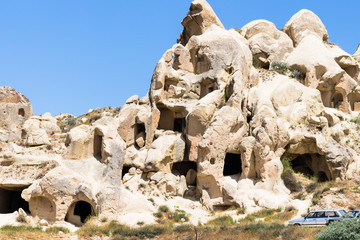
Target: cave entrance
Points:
(302, 164)
(179, 124)
(98, 145)
(170, 120)
(321, 177)
(11, 200)
(337, 100)
(207, 86)
(21, 112)
(183, 168)
(232, 164)
(312, 165)
(78, 212)
(139, 135)
(124, 171)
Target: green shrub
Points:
(345, 230)
(290, 181)
(223, 220)
(179, 215)
(183, 228)
(71, 121)
(158, 214)
(311, 187)
(164, 208)
(284, 69)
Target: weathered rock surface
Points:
(303, 23)
(198, 19)
(212, 132)
(267, 43)
(15, 109)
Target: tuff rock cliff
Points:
(224, 108)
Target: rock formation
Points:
(217, 121)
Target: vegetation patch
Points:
(344, 230)
(284, 69)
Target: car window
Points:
(342, 212)
(311, 215)
(332, 214)
(320, 214)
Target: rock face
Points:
(303, 23)
(219, 120)
(198, 19)
(267, 43)
(15, 109)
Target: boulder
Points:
(302, 24)
(197, 20)
(267, 43)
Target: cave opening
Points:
(311, 165)
(98, 142)
(21, 112)
(124, 171)
(321, 177)
(207, 87)
(232, 164)
(179, 124)
(183, 167)
(11, 200)
(139, 135)
(337, 100)
(302, 164)
(79, 212)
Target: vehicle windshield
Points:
(351, 214)
(342, 212)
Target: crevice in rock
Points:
(98, 142)
(139, 135)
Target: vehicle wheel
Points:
(297, 224)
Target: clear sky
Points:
(68, 56)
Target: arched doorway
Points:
(78, 213)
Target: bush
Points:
(311, 187)
(180, 216)
(290, 181)
(223, 220)
(345, 230)
(163, 208)
(284, 69)
(71, 121)
(183, 228)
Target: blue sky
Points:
(72, 55)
